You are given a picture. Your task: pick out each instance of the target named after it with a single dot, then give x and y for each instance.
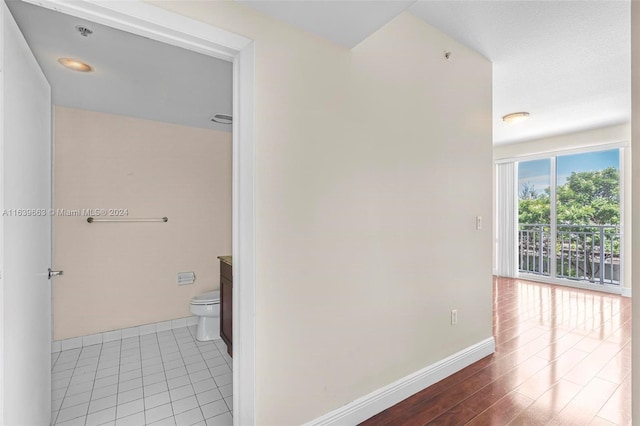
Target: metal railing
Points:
(580, 252)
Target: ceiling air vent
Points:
(222, 118)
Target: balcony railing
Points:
(580, 252)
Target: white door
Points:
(25, 197)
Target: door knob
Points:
(55, 273)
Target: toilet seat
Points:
(209, 298)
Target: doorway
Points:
(187, 33)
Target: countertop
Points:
(225, 259)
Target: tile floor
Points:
(165, 378)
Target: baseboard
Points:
(625, 291)
(369, 405)
(109, 336)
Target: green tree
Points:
(533, 207)
(590, 198)
(586, 198)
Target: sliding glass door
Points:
(569, 217)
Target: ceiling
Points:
(133, 75)
(567, 63)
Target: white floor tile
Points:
(130, 366)
(130, 332)
(129, 375)
(200, 375)
(148, 361)
(226, 390)
(56, 404)
(223, 379)
(58, 393)
(72, 412)
(106, 381)
(130, 385)
(70, 401)
(185, 404)
(75, 389)
(193, 359)
(101, 417)
(151, 369)
(188, 418)
(155, 388)
(163, 326)
(110, 336)
(78, 421)
(209, 396)
(176, 372)
(158, 413)
(147, 329)
(156, 400)
(106, 372)
(104, 392)
(221, 420)
(150, 379)
(214, 362)
(169, 365)
(192, 368)
(181, 392)
(60, 383)
(214, 409)
(169, 421)
(168, 373)
(178, 382)
(130, 395)
(204, 385)
(132, 420)
(219, 370)
(102, 403)
(124, 410)
(73, 343)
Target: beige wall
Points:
(371, 165)
(119, 275)
(586, 140)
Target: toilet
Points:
(207, 308)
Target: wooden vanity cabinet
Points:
(226, 305)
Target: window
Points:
(569, 217)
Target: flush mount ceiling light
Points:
(222, 118)
(515, 117)
(75, 65)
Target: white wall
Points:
(635, 151)
(371, 165)
(118, 275)
(586, 140)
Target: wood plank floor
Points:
(563, 357)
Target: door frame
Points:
(168, 27)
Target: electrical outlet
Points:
(478, 222)
(454, 316)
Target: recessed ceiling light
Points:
(75, 65)
(515, 117)
(222, 118)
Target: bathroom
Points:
(121, 291)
